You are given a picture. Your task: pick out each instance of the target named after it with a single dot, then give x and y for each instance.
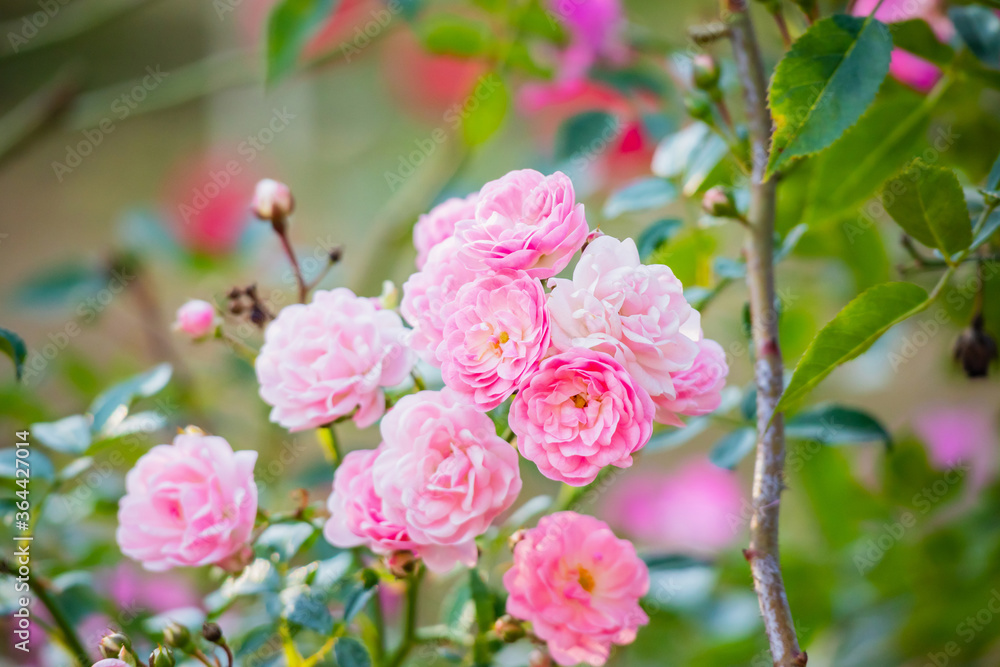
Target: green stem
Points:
(331, 444)
(69, 637)
(410, 622)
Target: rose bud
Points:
(176, 635)
(196, 318)
(212, 632)
(401, 563)
(161, 657)
(975, 349)
(112, 644)
(704, 72)
(509, 629)
(719, 202)
(272, 200)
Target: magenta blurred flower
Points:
(579, 412)
(960, 435)
(330, 359)
(191, 503)
(495, 334)
(196, 318)
(579, 586)
(595, 30)
(135, 589)
(696, 508)
(908, 68)
(439, 224)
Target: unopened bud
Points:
(176, 635)
(719, 202)
(516, 537)
(272, 201)
(212, 632)
(699, 106)
(976, 349)
(401, 563)
(704, 72)
(508, 628)
(161, 657)
(539, 658)
(127, 657)
(336, 254)
(113, 644)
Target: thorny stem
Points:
(768, 480)
(410, 622)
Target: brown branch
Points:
(768, 480)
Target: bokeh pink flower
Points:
(633, 312)
(196, 318)
(190, 503)
(439, 224)
(495, 334)
(443, 474)
(960, 435)
(698, 508)
(579, 586)
(579, 412)
(332, 358)
(524, 220)
(596, 31)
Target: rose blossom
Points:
(579, 585)
(580, 411)
(439, 224)
(444, 474)
(635, 313)
(190, 503)
(496, 332)
(699, 388)
(356, 516)
(324, 360)
(196, 318)
(524, 220)
(428, 291)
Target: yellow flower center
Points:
(580, 401)
(586, 580)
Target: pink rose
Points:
(356, 516)
(444, 474)
(331, 358)
(496, 332)
(579, 585)
(196, 318)
(699, 388)
(427, 292)
(271, 197)
(527, 221)
(635, 313)
(912, 70)
(191, 503)
(698, 509)
(579, 412)
(434, 227)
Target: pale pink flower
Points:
(579, 586)
(191, 503)
(444, 474)
(957, 436)
(635, 313)
(428, 291)
(271, 197)
(496, 332)
(908, 68)
(196, 318)
(330, 359)
(698, 509)
(580, 411)
(699, 388)
(356, 516)
(524, 220)
(439, 224)
(111, 662)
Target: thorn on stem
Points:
(800, 659)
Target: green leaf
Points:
(657, 234)
(732, 448)
(453, 35)
(871, 152)
(13, 346)
(586, 134)
(483, 600)
(351, 653)
(75, 468)
(851, 332)
(258, 577)
(917, 37)
(283, 540)
(485, 109)
(111, 407)
(836, 424)
(928, 203)
(641, 195)
(70, 435)
(141, 422)
(992, 185)
(980, 30)
(38, 462)
(357, 599)
(303, 607)
(824, 84)
(289, 27)
(66, 285)
(674, 562)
